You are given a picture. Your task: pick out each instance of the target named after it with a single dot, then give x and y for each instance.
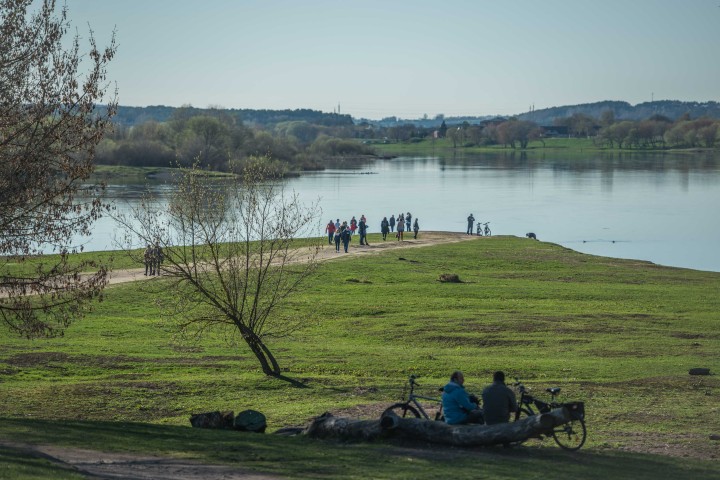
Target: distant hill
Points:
(129, 116)
(672, 109)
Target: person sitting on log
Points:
(456, 402)
(498, 400)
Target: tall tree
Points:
(232, 255)
(49, 128)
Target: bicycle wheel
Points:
(570, 436)
(403, 410)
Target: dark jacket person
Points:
(498, 401)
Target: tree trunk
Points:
(262, 353)
(392, 426)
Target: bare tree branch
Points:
(232, 254)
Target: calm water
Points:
(661, 208)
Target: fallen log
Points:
(392, 426)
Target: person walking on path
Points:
(336, 237)
(400, 229)
(362, 227)
(158, 257)
(330, 230)
(416, 228)
(392, 223)
(384, 227)
(408, 222)
(470, 220)
(337, 224)
(346, 236)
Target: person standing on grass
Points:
(400, 228)
(456, 402)
(498, 400)
(392, 223)
(384, 227)
(470, 220)
(408, 222)
(362, 227)
(416, 227)
(353, 225)
(330, 230)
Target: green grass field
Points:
(620, 335)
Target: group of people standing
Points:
(342, 233)
(153, 258)
(404, 222)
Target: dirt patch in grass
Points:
(46, 358)
(455, 341)
(692, 336)
(686, 445)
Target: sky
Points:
(380, 58)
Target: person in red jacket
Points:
(330, 230)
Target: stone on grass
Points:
(699, 371)
(449, 278)
(250, 421)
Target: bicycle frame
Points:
(413, 406)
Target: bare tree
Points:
(232, 253)
(49, 128)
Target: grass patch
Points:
(620, 335)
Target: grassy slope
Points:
(617, 334)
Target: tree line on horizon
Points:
(220, 140)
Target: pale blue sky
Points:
(407, 58)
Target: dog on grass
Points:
(531, 235)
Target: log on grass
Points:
(215, 419)
(329, 426)
(392, 426)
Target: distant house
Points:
(555, 131)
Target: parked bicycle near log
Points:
(570, 435)
(411, 407)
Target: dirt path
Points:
(127, 466)
(328, 252)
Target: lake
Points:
(657, 207)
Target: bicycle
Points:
(483, 229)
(486, 230)
(569, 436)
(412, 408)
